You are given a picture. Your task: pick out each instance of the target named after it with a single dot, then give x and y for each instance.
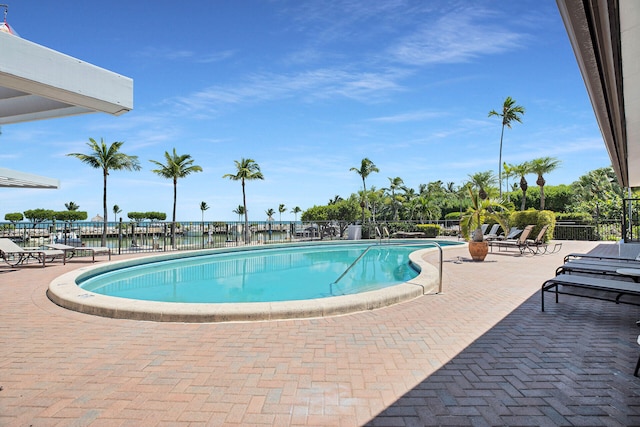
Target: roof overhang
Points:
(39, 83)
(604, 36)
(11, 178)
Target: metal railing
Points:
(631, 220)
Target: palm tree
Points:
(270, 212)
(508, 172)
(107, 158)
(479, 211)
(246, 170)
(522, 170)
(541, 166)
(295, 211)
(177, 166)
(71, 206)
(203, 207)
(239, 211)
(366, 168)
(483, 182)
(281, 209)
(116, 210)
(395, 184)
(510, 113)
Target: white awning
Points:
(39, 83)
(11, 178)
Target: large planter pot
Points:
(478, 250)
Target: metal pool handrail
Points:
(397, 244)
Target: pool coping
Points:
(64, 292)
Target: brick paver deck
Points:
(481, 353)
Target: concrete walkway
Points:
(481, 353)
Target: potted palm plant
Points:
(481, 210)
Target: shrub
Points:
(430, 230)
(578, 217)
(521, 219)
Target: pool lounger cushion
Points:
(572, 281)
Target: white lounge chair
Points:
(70, 251)
(14, 255)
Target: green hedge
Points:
(430, 230)
(521, 219)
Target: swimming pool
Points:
(247, 283)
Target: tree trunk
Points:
(523, 185)
(104, 208)
(173, 218)
(246, 215)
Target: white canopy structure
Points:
(40, 83)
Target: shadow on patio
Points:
(571, 365)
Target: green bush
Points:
(430, 230)
(521, 219)
(578, 217)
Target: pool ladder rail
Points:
(395, 244)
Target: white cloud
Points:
(453, 38)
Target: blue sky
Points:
(306, 89)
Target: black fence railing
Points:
(127, 237)
(631, 220)
(597, 230)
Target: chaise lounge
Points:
(14, 255)
(520, 243)
(70, 251)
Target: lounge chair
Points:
(520, 243)
(637, 364)
(493, 232)
(540, 245)
(70, 251)
(513, 233)
(566, 283)
(14, 255)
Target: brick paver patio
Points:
(481, 353)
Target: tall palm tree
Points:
(522, 170)
(510, 113)
(176, 166)
(508, 172)
(203, 207)
(281, 209)
(542, 166)
(367, 167)
(107, 158)
(246, 170)
(295, 211)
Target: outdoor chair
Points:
(519, 243)
(14, 255)
(635, 373)
(493, 232)
(70, 251)
(538, 243)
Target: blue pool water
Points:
(262, 275)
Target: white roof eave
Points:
(39, 83)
